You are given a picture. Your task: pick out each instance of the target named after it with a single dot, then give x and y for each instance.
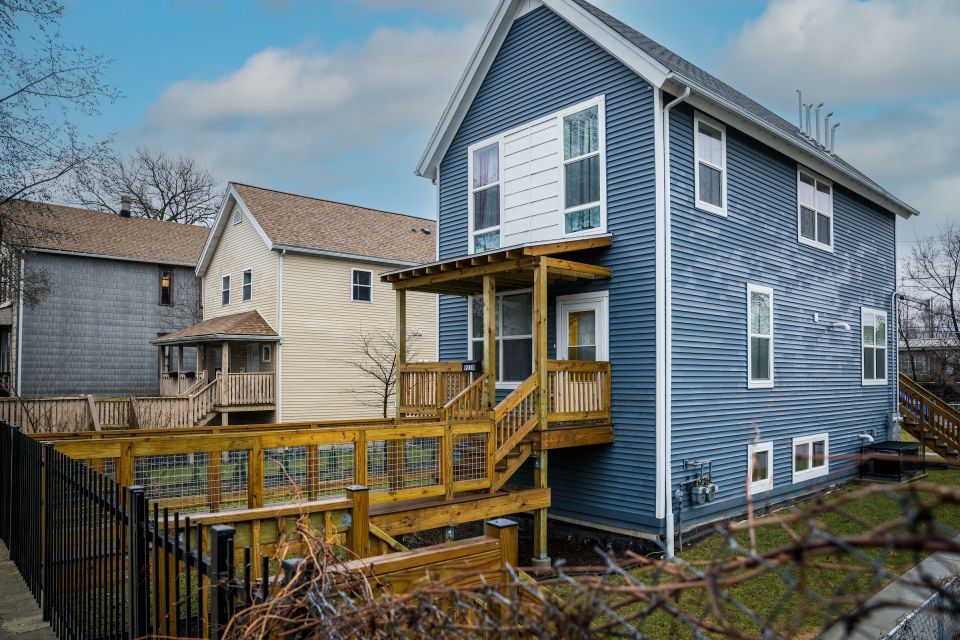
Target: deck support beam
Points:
(540, 306)
(490, 339)
(225, 368)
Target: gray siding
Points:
(543, 66)
(92, 333)
(817, 368)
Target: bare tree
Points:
(162, 187)
(375, 356)
(44, 83)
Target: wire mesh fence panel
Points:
(403, 464)
(178, 481)
(107, 467)
(232, 477)
(306, 472)
(469, 457)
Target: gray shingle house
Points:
(116, 283)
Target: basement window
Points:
(811, 457)
(873, 333)
(760, 466)
(710, 150)
(814, 210)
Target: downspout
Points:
(894, 429)
(668, 329)
(20, 331)
(279, 380)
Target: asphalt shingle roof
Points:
(246, 323)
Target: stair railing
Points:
(515, 417)
(930, 412)
(467, 405)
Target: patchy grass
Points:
(776, 597)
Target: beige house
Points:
(290, 290)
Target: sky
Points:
(337, 98)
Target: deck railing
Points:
(173, 383)
(515, 416)
(249, 389)
(428, 386)
(468, 405)
(578, 390)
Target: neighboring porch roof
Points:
(512, 267)
(248, 326)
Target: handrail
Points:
(930, 411)
(468, 404)
(440, 367)
(516, 416)
(578, 390)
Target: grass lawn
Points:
(793, 613)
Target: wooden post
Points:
(540, 557)
(214, 485)
(505, 531)
(360, 458)
(490, 339)
(180, 359)
(255, 477)
(134, 416)
(446, 461)
(225, 368)
(125, 469)
(401, 346)
(92, 413)
(359, 520)
(540, 304)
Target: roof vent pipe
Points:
(833, 136)
(819, 106)
(800, 108)
(125, 207)
(826, 129)
(807, 111)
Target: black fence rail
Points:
(104, 563)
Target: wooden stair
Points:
(929, 419)
(514, 418)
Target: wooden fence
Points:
(86, 413)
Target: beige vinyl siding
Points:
(240, 248)
(321, 327)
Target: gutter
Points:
(344, 256)
(100, 256)
(668, 330)
(217, 337)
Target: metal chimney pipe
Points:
(826, 129)
(800, 108)
(819, 106)
(125, 206)
(833, 136)
(807, 108)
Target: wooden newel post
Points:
(359, 520)
(401, 346)
(490, 340)
(540, 302)
(505, 531)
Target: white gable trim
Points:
(483, 57)
(224, 216)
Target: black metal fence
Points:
(104, 563)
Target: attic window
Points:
(237, 214)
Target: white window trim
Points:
(874, 382)
(807, 241)
(760, 486)
(266, 352)
(226, 283)
(352, 285)
(709, 207)
(600, 103)
(471, 339)
(751, 383)
(603, 322)
(243, 286)
(812, 472)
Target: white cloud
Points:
(347, 120)
(848, 50)
(463, 7)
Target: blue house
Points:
(621, 212)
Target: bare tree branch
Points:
(375, 356)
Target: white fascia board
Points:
(103, 256)
(493, 37)
(340, 255)
(223, 217)
(733, 115)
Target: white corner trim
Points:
(660, 304)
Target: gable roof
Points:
(663, 69)
(249, 324)
(296, 223)
(97, 233)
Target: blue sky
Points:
(336, 99)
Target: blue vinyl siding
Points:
(543, 66)
(817, 368)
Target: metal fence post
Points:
(221, 546)
(47, 558)
(139, 582)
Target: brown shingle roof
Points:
(247, 323)
(107, 234)
(311, 223)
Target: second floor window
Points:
(166, 287)
(760, 337)
(225, 290)
(362, 285)
(581, 170)
(874, 339)
(248, 284)
(815, 211)
(710, 149)
(485, 198)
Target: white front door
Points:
(582, 326)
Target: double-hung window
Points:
(166, 287)
(710, 149)
(581, 170)
(514, 335)
(362, 285)
(247, 284)
(811, 457)
(873, 332)
(760, 466)
(814, 210)
(485, 198)
(225, 290)
(759, 337)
